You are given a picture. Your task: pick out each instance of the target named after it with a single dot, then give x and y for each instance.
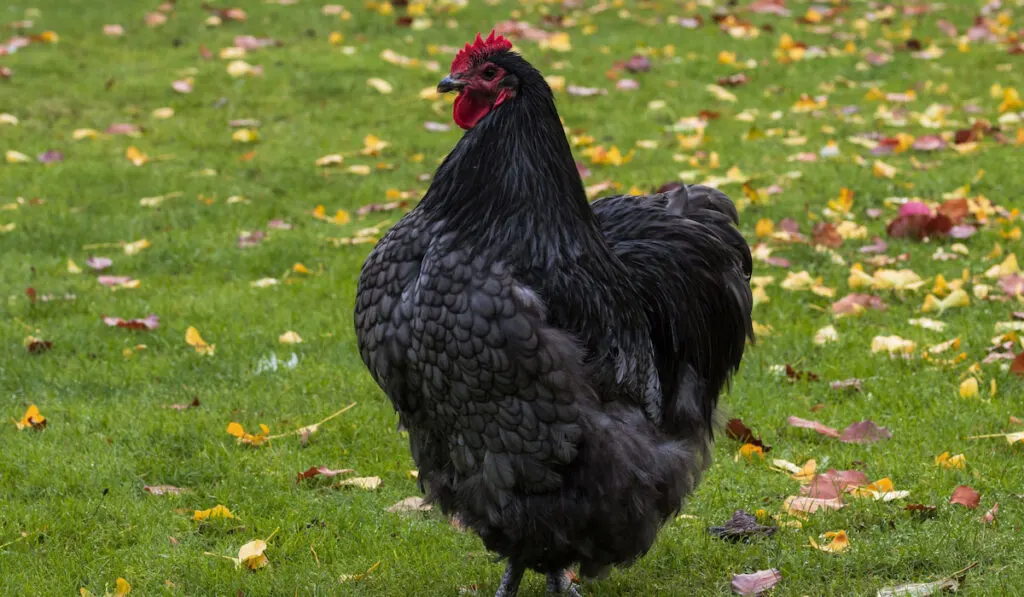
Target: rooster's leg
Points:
(561, 584)
(510, 581)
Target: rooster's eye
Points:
(490, 72)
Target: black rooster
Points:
(557, 364)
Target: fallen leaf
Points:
(864, 432)
(990, 516)
(801, 505)
(813, 425)
(410, 504)
(253, 439)
(965, 496)
(32, 419)
(741, 527)
(193, 339)
(289, 337)
(98, 263)
(832, 483)
(368, 483)
(151, 322)
(251, 555)
(737, 430)
(163, 490)
(217, 511)
(839, 542)
(314, 471)
(755, 583)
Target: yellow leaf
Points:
(748, 451)
(79, 134)
(196, 341)
(950, 462)
(969, 388)
(1008, 267)
(135, 247)
(32, 419)
(136, 156)
(163, 113)
(341, 217)
(73, 268)
(16, 157)
(883, 170)
(332, 159)
(760, 296)
(1011, 101)
(236, 430)
(10, 119)
(251, 555)
(720, 93)
(373, 146)
(335, 38)
(245, 136)
(122, 588)
(558, 42)
(796, 281)
(555, 82)
(300, 269)
(217, 511)
(380, 85)
(289, 337)
(239, 68)
(840, 542)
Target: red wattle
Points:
(469, 109)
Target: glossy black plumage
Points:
(557, 364)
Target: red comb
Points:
(481, 46)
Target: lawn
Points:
(215, 225)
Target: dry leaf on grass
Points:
(755, 583)
(966, 497)
(368, 483)
(410, 504)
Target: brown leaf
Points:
(737, 430)
(183, 406)
(864, 432)
(797, 375)
(826, 234)
(955, 209)
(813, 425)
(163, 489)
(313, 471)
(755, 583)
(1017, 366)
(740, 527)
(807, 505)
(920, 509)
(966, 497)
(37, 346)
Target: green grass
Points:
(76, 489)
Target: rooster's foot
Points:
(510, 581)
(561, 584)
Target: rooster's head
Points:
(481, 80)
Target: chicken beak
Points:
(450, 83)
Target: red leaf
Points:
(966, 497)
(813, 425)
(864, 432)
(1017, 366)
(122, 128)
(755, 583)
(737, 430)
(113, 280)
(313, 471)
(638, 64)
